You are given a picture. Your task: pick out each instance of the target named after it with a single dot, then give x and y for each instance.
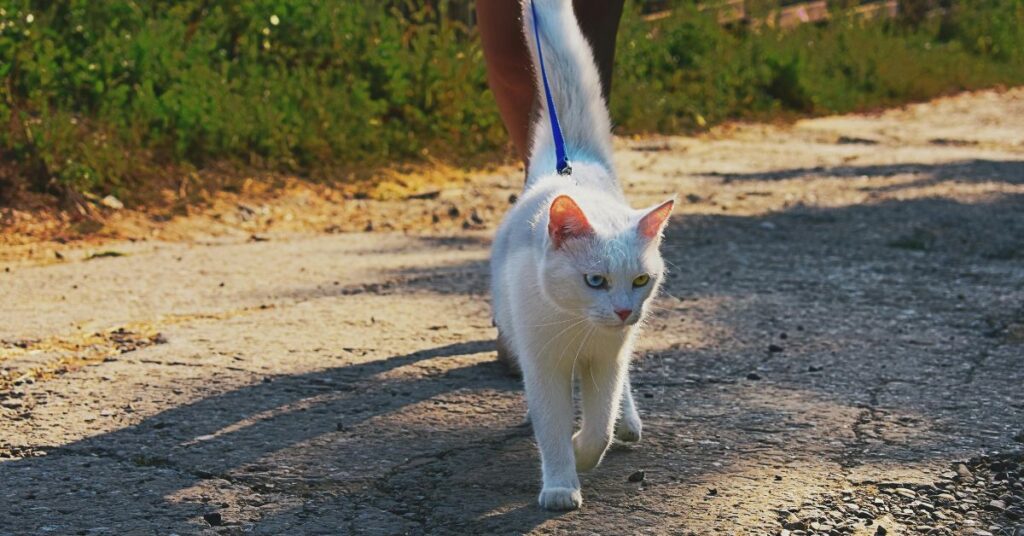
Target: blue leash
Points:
(562, 166)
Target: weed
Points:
(121, 97)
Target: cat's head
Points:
(604, 269)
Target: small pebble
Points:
(906, 493)
(213, 518)
(638, 476)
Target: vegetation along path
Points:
(839, 348)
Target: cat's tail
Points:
(575, 88)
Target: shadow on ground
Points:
(978, 170)
(787, 344)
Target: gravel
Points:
(978, 496)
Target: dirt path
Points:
(844, 325)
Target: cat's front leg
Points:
(549, 399)
(601, 391)
(629, 426)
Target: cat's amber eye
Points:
(595, 280)
(641, 280)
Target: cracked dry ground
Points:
(839, 351)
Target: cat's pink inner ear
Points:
(566, 221)
(652, 223)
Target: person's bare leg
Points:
(599, 20)
(509, 73)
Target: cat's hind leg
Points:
(506, 357)
(629, 426)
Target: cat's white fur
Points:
(557, 326)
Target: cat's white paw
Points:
(628, 429)
(560, 499)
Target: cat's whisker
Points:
(563, 353)
(661, 308)
(578, 350)
(594, 381)
(557, 322)
(666, 293)
(674, 265)
(567, 328)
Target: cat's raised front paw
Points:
(588, 453)
(560, 499)
(628, 429)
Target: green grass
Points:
(120, 97)
(685, 72)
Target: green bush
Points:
(114, 96)
(107, 93)
(993, 29)
(685, 70)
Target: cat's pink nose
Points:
(623, 313)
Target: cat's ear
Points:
(652, 223)
(567, 221)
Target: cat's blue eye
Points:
(595, 280)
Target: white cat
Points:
(573, 267)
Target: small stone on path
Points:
(213, 518)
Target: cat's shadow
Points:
(346, 439)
